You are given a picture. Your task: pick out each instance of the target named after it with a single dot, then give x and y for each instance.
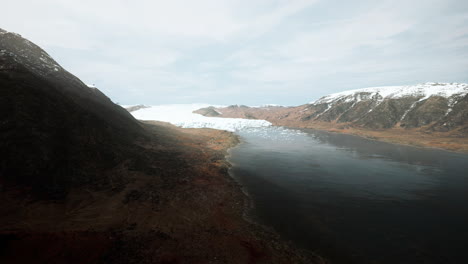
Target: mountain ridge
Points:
(423, 89)
(413, 106)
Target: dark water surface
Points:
(355, 200)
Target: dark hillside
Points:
(55, 131)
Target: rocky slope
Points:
(439, 108)
(82, 181)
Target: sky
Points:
(250, 52)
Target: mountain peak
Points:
(18, 50)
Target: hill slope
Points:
(53, 124)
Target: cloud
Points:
(385, 40)
(203, 19)
(277, 51)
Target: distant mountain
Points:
(440, 106)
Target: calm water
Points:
(355, 200)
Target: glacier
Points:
(181, 115)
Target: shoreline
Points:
(374, 135)
(260, 230)
(264, 245)
(249, 204)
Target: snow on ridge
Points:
(267, 105)
(424, 90)
(181, 115)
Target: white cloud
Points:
(208, 19)
(332, 48)
(171, 51)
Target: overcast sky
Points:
(246, 51)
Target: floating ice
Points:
(274, 133)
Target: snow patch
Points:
(451, 103)
(413, 105)
(329, 106)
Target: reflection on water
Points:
(354, 199)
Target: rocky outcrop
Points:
(135, 108)
(208, 111)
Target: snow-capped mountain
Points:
(424, 90)
(443, 105)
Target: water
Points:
(355, 200)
